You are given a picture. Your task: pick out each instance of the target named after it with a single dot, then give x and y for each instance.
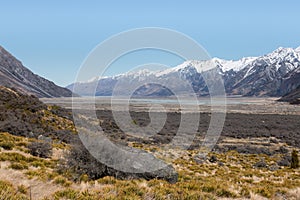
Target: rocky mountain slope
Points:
(268, 75)
(293, 97)
(14, 75)
(274, 74)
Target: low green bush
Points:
(7, 145)
(40, 149)
(19, 166)
(295, 160)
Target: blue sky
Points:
(52, 38)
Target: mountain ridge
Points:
(272, 74)
(14, 75)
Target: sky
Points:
(53, 38)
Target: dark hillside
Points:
(25, 115)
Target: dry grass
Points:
(8, 192)
(231, 177)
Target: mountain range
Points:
(274, 74)
(14, 75)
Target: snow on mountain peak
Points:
(141, 72)
(279, 55)
(274, 58)
(205, 65)
(235, 65)
(284, 52)
(289, 56)
(200, 66)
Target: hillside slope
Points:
(14, 75)
(24, 115)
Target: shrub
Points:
(7, 145)
(245, 192)
(107, 180)
(13, 157)
(40, 149)
(285, 161)
(67, 194)
(131, 191)
(80, 162)
(213, 159)
(84, 178)
(7, 191)
(22, 189)
(19, 166)
(295, 160)
(264, 191)
(62, 181)
(222, 192)
(261, 164)
(209, 188)
(36, 173)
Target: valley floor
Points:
(245, 105)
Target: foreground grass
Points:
(8, 191)
(231, 176)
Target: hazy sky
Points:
(53, 38)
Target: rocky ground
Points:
(283, 128)
(245, 118)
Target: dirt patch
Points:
(39, 189)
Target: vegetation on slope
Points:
(24, 115)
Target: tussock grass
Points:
(8, 192)
(29, 160)
(62, 181)
(19, 166)
(236, 177)
(108, 180)
(9, 142)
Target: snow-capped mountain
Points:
(274, 74)
(265, 75)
